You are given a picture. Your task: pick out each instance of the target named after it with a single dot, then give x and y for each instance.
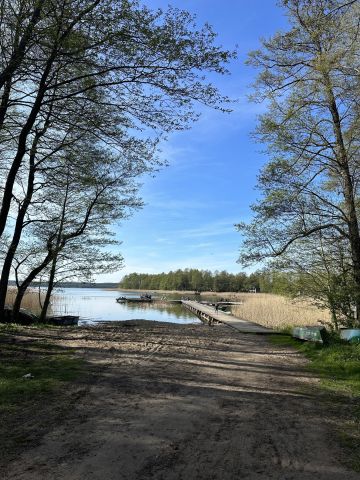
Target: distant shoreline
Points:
(180, 292)
(107, 285)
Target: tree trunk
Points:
(21, 150)
(348, 192)
(4, 105)
(26, 283)
(48, 291)
(5, 273)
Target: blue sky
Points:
(193, 204)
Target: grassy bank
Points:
(338, 367)
(24, 399)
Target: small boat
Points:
(63, 320)
(311, 334)
(141, 299)
(121, 300)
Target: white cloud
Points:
(177, 204)
(219, 227)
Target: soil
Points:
(182, 402)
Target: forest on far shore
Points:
(207, 281)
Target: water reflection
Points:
(93, 304)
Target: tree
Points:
(139, 67)
(320, 269)
(113, 71)
(222, 281)
(310, 79)
(80, 260)
(80, 205)
(190, 279)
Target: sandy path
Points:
(187, 402)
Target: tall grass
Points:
(278, 312)
(30, 301)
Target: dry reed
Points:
(278, 312)
(30, 301)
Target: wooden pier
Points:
(208, 314)
(223, 303)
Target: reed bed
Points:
(30, 301)
(278, 312)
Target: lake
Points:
(94, 305)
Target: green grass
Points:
(47, 375)
(28, 406)
(50, 367)
(337, 364)
(338, 367)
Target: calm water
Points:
(94, 304)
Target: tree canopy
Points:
(309, 78)
(192, 279)
(105, 78)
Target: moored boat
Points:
(63, 320)
(142, 299)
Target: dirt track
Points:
(186, 402)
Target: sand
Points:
(183, 402)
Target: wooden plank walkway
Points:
(208, 314)
(223, 303)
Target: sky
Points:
(191, 206)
